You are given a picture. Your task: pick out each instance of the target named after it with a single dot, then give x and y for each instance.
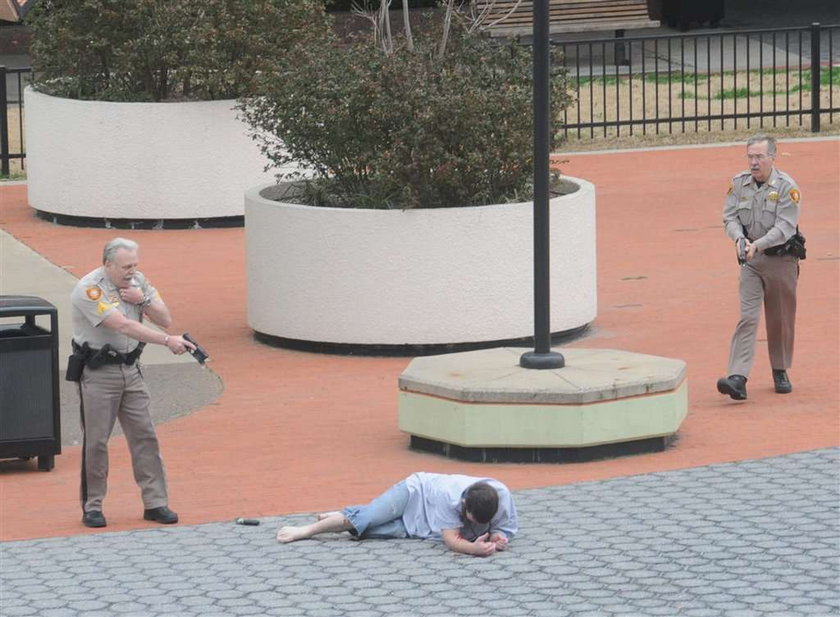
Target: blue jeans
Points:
(382, 517)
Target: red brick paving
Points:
(298, 432)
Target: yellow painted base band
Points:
(543, 425)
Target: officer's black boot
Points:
(781, 381)
(94, 518)
(734, 385)
(161, 515)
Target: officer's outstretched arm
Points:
(134, 329)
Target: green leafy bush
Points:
(404, 129)
(156, 50)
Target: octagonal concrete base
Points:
(482, 406)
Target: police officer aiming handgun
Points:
(109, 307)
(761, 215)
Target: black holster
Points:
(106, 355)
(76, 362)
(794, 246)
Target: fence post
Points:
(4, 125)
(815, 77)
(620, 50)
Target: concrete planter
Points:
(341, 279)
(138, 161)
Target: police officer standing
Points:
(761, 213)
(109, 306)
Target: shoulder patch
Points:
(103, 306)
(731, 188)
(795, 196)
(93, 293)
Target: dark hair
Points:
(482, 501)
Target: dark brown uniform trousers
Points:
(108, 393)
(771, 280)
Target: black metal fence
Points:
(715, 81)
(12, 148)
(782, 77)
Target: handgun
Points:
(742, 251)
(199, 353)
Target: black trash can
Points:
(30, 408)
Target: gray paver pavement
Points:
(748, 539)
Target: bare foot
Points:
(324, 515)
(332, 522)
(291, 534)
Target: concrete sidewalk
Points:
(748, 539)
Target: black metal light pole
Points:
(815, 76)
(4, 126)
(542, 357)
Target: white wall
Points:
(138, 160)
(428, 276)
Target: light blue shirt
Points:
(434, 504)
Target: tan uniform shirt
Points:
(769, 213)
(93, 299)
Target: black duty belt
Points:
(94, 358)
(775, 251)
(795, 245)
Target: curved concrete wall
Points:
(414, 277)
(138, 160)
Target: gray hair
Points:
(116, 244)
(758, 138)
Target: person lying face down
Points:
(475, 516)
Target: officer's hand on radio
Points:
(177, 344)
(132, 295)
